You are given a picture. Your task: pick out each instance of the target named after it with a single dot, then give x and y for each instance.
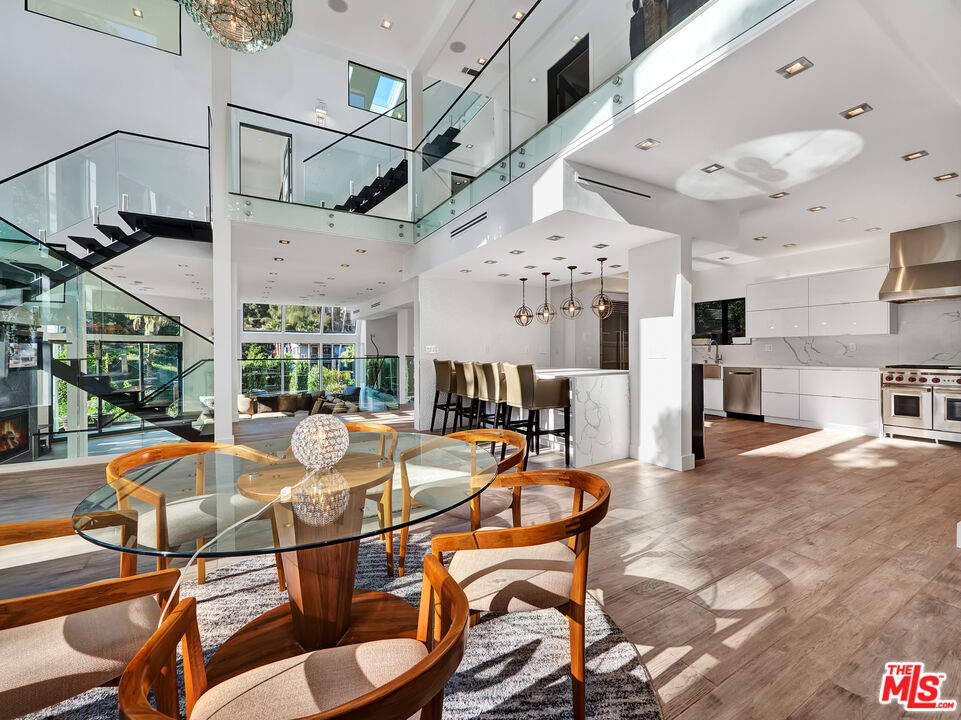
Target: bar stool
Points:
(526, 391)
(466, 390)
(489, 381)
(443, 383)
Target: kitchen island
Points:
(600, 414)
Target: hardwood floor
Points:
(771, 582)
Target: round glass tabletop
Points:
(256, 498)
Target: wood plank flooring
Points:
(771, 582)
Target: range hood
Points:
(925, 264)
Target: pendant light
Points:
(602, 305)
(242, 25)
(546, 313)
(571, 307)
(523, 316)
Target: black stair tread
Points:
(111, 231)
(168, 227)
(450, 133)
(87, 243)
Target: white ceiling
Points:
(732, 113)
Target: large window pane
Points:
(262, 318)
(259, 369)
(115, 323)
(338, 320)
(378, 92)
(154, 23)
(303, 318)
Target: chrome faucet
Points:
(717, 351)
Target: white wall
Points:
(385, 332)
(64, 85)
(471, 321)
(198, 315)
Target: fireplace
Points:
(14, 435)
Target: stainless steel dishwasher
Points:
(742, 390)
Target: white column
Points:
(660, 350)
(403, 350)
(415, 131)
(226, 338)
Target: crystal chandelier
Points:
(571, 307)
(244, 25)
(546, 313)
(523, 315)
(602, 305)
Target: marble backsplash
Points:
(927, 332)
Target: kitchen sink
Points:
(711, 371)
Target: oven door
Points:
(906, 407)
(947, 410)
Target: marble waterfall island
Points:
(600, 414)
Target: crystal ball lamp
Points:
(321, 498)
(319, 441)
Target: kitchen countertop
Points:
(798, 367)
(576, 372)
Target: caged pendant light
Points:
(602, 305)
(523, 316)
(571, 307)
(242, 25)
(546, 313)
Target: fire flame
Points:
(11, 436)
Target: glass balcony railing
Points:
(479, 138)
(361, 384)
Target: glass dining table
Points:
(256, 499)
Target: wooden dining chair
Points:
(384, 498)
(388, 679)
(440, 496)
(193, 520)
(61, 643)
(534, 567)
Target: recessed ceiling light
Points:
(345, 265)
(361, 251)
(517, 252)
(847, 219)
(724, 257)
(915, 155)
(871, 229)
(601, 245)
(330, 278)
(137, 12)
(490, 262)
(284, 242)
(502, 275)
(817, 208)
(530, 267)
(779, 195)
(795, 68)
(760, 238)
(856, 111)
(278, 259)
(576, 38)
(555, 279)
(555, 238)
(386, 24)
(712, 168)
(470, 145)
(559, 257)
(481, 61)
(790, 245)
(587, 272)
(614, 266)
(647, 144)
(465, 271)
(946, 176)
(519, 15)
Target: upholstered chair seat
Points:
(50, 661)
(310, 683)
(191, 518)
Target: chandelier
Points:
(546, 313)
(523, 315)
(571, 307)
(602, 305)
(244, 25)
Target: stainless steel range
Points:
(922, 401)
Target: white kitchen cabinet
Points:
(863, 318)
(788, 322)
(779, 405)
(778, 294)
(855, 384)
(846, 286)
(714, 394)
(839, 413)
(780, 380)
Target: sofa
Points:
(292, 404)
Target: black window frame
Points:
(726, 336)
(386, 113)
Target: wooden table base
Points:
(373, 616)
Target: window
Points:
(720, 320)
(262, 318)
(154, 23)
(375, 91)
(115, 323)
(338, 320)
(303, 318)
